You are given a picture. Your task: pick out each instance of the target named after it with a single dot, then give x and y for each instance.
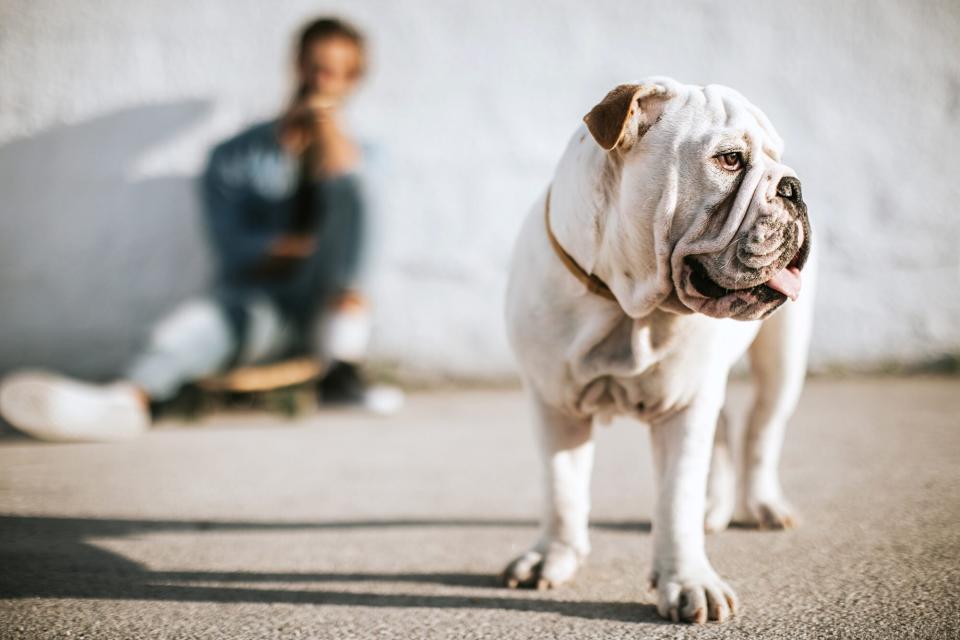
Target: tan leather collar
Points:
(593, 284)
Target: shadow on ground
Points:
(49, 557)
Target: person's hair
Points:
(329, 27)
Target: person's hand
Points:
(308, 123)
(292, 245)
(312, 125)
(317, 115)
(349, 301)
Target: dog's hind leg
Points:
(778, 360)
(567, 448)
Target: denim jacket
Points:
(248, 190)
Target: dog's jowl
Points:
(671, 241)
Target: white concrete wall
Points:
(107, 109)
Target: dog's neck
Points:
(583, 187)
(585, 199)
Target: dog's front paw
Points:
(547, 569)
(696, 596)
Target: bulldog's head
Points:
(701, 215)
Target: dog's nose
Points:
(789, 188)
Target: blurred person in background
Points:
(285, 213)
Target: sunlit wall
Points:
(107, 110)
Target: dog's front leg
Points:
(688, 589)
(567, 450)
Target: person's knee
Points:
(196, 327)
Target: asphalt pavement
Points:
(344, 525)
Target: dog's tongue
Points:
(787, 282)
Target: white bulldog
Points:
(669, 236)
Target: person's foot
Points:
(345, 385)
(58, 409)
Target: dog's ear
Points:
(624, 114)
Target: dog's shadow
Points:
(49, 557)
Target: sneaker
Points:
(58, 409)
(344, 385)
(384, 400)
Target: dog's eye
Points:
(731, 161)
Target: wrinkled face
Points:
(740, 233)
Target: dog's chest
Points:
(642, 368)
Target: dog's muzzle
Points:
(767, 260)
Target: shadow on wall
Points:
(89, 257)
